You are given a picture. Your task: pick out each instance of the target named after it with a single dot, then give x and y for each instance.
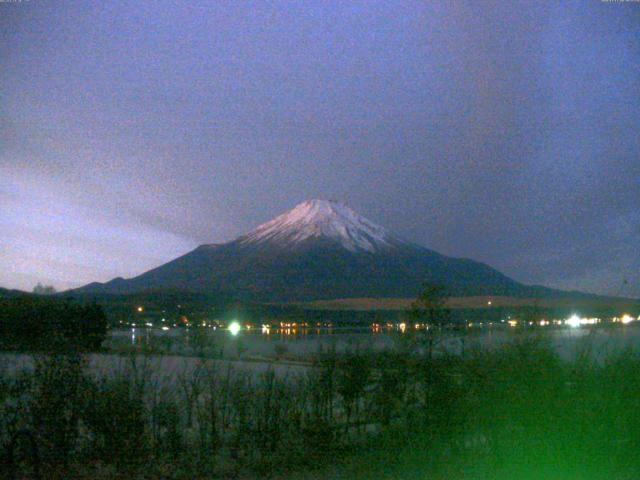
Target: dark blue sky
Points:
(507, 132)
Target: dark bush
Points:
(38, 323)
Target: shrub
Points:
(37, 323)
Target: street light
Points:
(234, 328)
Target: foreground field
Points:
(517, 411)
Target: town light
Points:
(573, 321)
(234, 328)
(626, 319)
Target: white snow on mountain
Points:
(322, 219)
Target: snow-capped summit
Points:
(322, 219)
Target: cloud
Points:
(47, 236)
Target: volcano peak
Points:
(322, 219)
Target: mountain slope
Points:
(319, 250)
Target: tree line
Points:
(37, 323)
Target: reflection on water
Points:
(301, 342)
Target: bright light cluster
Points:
(626, 319)
(234, 328)
(576, 321)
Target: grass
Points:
(515, 412)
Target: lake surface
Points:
(306, 344)
(255, 353)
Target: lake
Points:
(307, 343)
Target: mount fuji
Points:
(318, 250)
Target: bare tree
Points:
(430, 311)
(44, 289)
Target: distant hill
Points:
(6, 293)
(320, 250)
(569, 301)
